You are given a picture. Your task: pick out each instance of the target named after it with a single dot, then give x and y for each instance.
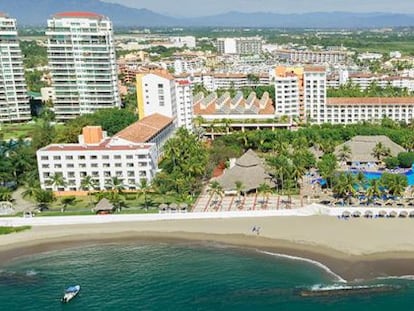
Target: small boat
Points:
(70, 293)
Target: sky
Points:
(187, 8)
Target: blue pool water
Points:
(377, 175)
(372, 175)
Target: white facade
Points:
(287, 96)
(184, 97)
(130, 163)
(14, 103)
(242, 45)
(130, 155)
(314, 82)
(160, 93)
(311, 57)
(48, 94)
(82, 61)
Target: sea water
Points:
(162, 276)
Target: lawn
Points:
(8, 230)
(19, 130)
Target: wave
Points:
(392, 277)
(31, 273)
(322, 287)
(313, 262)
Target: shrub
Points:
(391, 162)
(406, 159)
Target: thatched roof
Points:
(363, 146)
(249, 170)
(103, 205)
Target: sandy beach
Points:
(354, 249)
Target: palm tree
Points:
(374, 189)
(380, 151)
(117, 187)
(239, 189)
(88, 184)
(397, 184)
(44, 198)
(264, 189)
(144, 189)
(56, 181)
(344, 153)
(216, 190)
(344, 185)
(5, 194)
(66, 201)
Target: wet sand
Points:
(353, 249)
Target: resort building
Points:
(362, 147)
(224, 114)
(159, 92)
(311, 57)
(130, 155)
(82, 62)
(350, 110)
(300, 92)
(240, 46)
(14, 102)
(250, 170)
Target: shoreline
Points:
(350, 264)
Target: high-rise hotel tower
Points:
(14, 103)
(82, 61)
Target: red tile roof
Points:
(145, 129)
(370, 101)
(78, 15)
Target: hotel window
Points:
(71, 174)
(94, 157)
(45, 165)
(44, 158)
(81, 157)
(117, 157)
(56, 158)
(105, 157)
(70, 165)
(118, 164)
(69, 157)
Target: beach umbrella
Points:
(346, 214)
(356, 214)
(403, 214)
(411, 214)
(173, 206)
(368, 214)
(163, 207)
(393, 214)
(382, 213)
(183, 206)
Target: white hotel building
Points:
(14, 103)
(159, 92)
(82, 61)
(301, 93)
(131, 155)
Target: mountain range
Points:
(36, 12)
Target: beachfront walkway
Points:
(207, 203)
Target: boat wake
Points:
(337, 277)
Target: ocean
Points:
(160, 276)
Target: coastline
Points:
(354, 249)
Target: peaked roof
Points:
(143, 130)
(249, 170)
(249, 159)
(103, 205)
(363, 146)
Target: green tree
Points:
(344, 153)
(374, 189)
(5, 194)
(66, 201)
(327, 167)
(144, 189)
(239, 189)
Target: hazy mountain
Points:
(36, 12)
(316, 20)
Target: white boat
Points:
(70, 293)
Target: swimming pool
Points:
(377, 175)
(372, 175)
